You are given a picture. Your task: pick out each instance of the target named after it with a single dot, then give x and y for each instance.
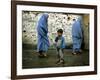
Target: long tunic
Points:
(42, 29)
(77, 35)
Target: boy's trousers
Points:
(60, 53)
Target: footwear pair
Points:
(41, 55)
(60, 62)
(76, 52)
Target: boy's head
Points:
(60, 32)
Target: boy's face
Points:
(59, 34)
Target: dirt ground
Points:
(30, 59)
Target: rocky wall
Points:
(55, 22)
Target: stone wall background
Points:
(55, 21)
(86, 31)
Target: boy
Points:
(60, 45)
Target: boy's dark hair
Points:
(60, 31)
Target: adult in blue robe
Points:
(42, 29)
(77, 36)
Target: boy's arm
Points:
(55, 42)
(56, 39)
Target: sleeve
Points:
(80, 31)
(56, 39)
(63, 42)
(41, 32)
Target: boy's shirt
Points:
(60, 42)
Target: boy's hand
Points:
(55, 44)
